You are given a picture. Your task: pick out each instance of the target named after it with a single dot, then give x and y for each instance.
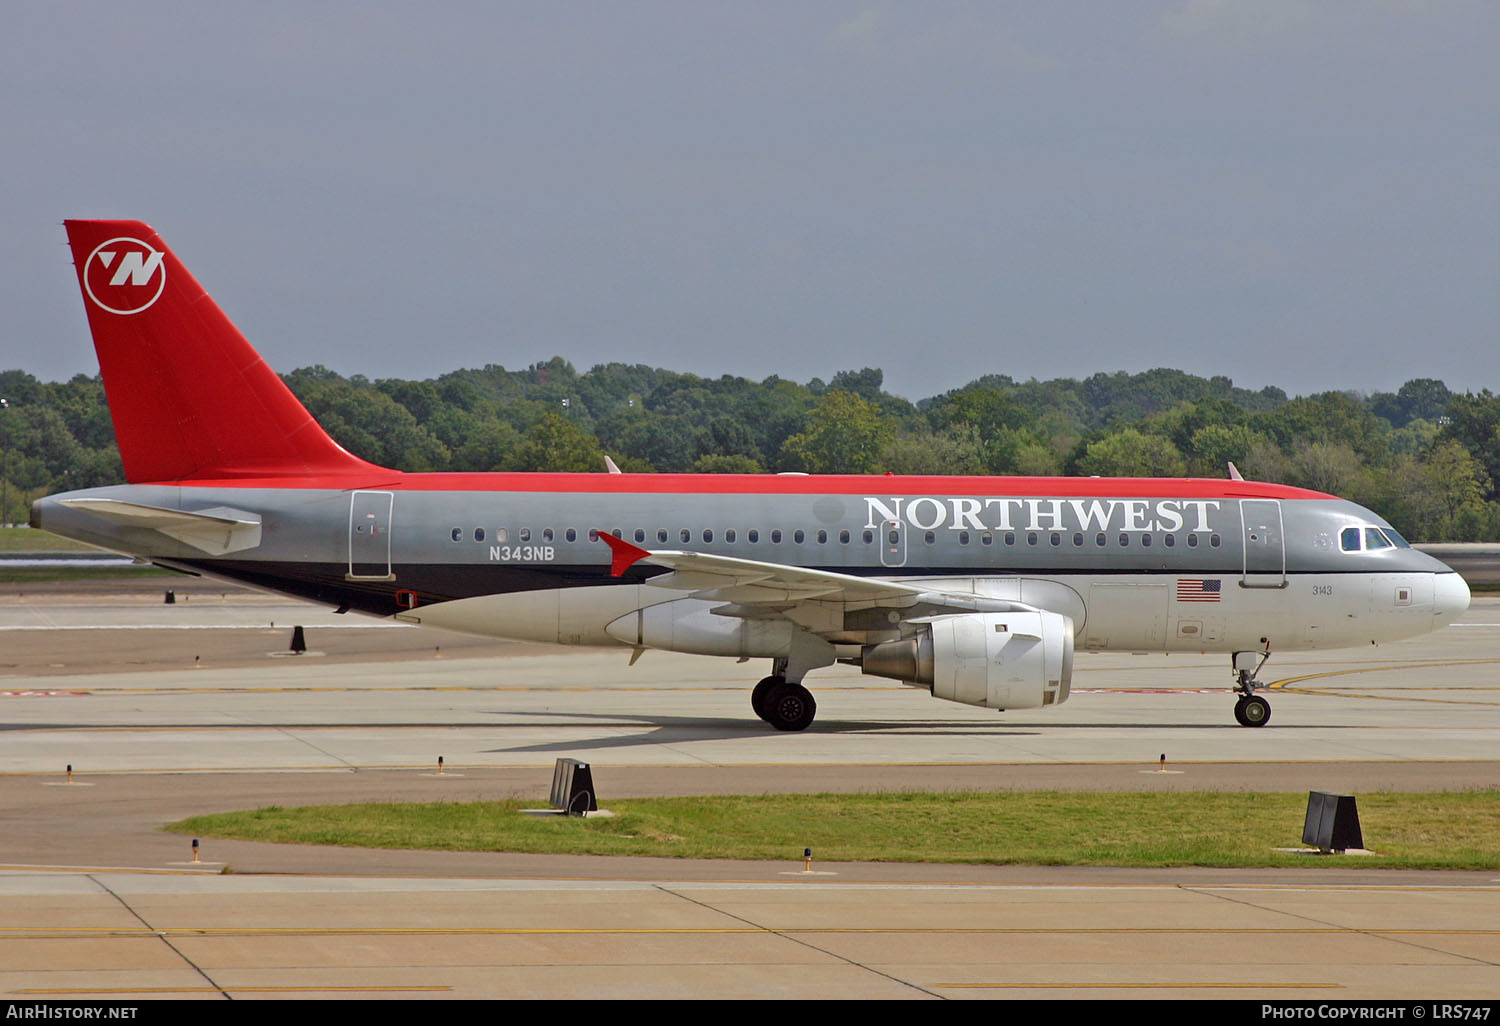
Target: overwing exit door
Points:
(892, 543)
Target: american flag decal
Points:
(1195, 590)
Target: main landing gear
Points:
(784, 704)
(1251, 710)
(780, 699)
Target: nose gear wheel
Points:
(1252, 711)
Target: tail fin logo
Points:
(124, 275)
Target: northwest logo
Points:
(124, 275)
(928, 513)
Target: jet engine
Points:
(1001, 660)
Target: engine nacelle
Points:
(1000, 660)
(690, 625)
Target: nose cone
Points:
(1450, 597)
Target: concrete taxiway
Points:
(164, 711)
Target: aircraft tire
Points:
(790, 707)
(1253, 711)
(762, 694)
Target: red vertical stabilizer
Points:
(190, 397)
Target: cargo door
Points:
(1129, 616)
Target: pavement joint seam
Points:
(292, 735)
(160, 935)
(1397, 936)
(800, 941)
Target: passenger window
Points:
(729, 536)
(1192, 541)
(524, 534)
(708, 535)
(986, 538)
(1078, 540)
(661, 535)
(776, 536)
(571, 535)
(684, 536)
(1169, 541)
(479, 534)
(458, 534)
(843, 537)
(1124, 541)
(799, 537)
(963, 537)
(822, 537)
(929, 537)
(616, 532)
(1375, 540)
(1031, 538)
(1214, 541)
(1100, 540)
(1145, 541)
(640, 536)
(1010, 537)
(501, 534)
(752, 536)
(547, 534)
(869, 537)
(1055, 539)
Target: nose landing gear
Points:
(1251, 710)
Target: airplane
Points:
(977, 590)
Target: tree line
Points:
(1424, 457)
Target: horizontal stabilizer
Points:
(215, 531)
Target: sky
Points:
(1300, 193)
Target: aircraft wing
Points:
(755, 590)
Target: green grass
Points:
(28, 574)
(1416, 831)
(18, 540)
(29, 539)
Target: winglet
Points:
(624, 555)
(1234, 472)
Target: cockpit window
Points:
(1370, 539)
